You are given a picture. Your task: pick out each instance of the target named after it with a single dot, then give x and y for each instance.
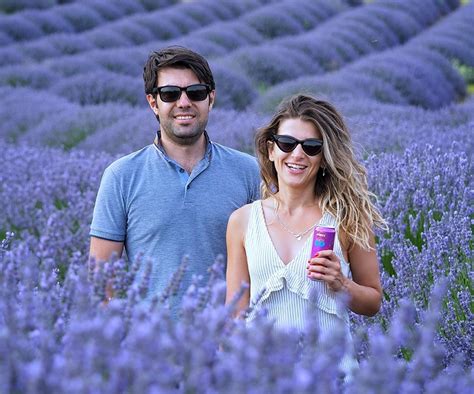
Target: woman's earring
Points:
(324, 171)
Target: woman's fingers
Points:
(325, 266)
(329, 260)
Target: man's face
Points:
(183, 121)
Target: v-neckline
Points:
(303, 247)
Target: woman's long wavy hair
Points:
(343, 191)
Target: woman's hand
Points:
(364, 289)
(326, 266)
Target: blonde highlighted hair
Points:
(343, 191)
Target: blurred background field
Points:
(72, 100)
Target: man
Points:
(173, 197)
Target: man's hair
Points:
(176, 57)
(343, 190)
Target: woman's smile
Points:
(296, 169)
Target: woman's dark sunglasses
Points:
(286, 143)
(170, 93)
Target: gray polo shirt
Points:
(160, 211)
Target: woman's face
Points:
(296, 169)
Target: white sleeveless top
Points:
(284, 290)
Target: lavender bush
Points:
(374, 129)
(332, 44)
(100, 87)
(10, 6)
(20, 28)
(68, 128)
(82, 18)
(168, 28)
(47, 199)
(208, 49)
(17, 122)
(33, 77)
(49, 23)
(175, 20)
(274, 22)
(70, 44)
(135, 33)
(124, 62)
(231, 35)
(430, 234)
(68, 66)
(235, 91)
(110, 11)
(64, 338)
(104, 38)
(268, 64)
(50, 9)
(426, 226)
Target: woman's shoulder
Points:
(241, 216)
(243, 213)
(239, 220)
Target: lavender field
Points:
(72, 101)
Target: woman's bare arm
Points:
(237, 269)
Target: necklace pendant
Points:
(298, 237)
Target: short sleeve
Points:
(256, 181)
(109, 220)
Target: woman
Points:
(310, 177)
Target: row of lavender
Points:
(420, 72)
(381, 76)
(24, 7)
(116, 128)
(70, 76)
(34, 21)
(56, 337)
(324, 48)
(174, 22)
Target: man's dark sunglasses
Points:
(170, 93)
(286, 143)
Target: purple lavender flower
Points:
(49, 22)
(69, 44)
(19, 28)
(100, 87)
(168, 28)
(82, 18)
(272, 23)
(230, 35)
(103, 38)
(33, 77)
(132, 31)
(236, 90)
(268, 65)
(111, 11)
(10, 6)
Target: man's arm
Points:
(108, 227)
(103, 249)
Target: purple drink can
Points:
(323, 239)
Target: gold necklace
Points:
(298, 236)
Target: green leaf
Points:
(387, 258)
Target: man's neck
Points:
(187, 156)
